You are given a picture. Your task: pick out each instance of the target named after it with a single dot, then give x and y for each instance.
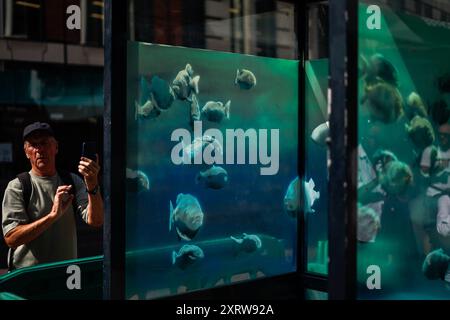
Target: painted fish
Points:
(144, 89)
(383, 101)
(368, 224)
(245, 79)
(292, 197)
(421, 132)
(149, 110)
(320, 133)
(139, 181)
(187, 217)
(196, 148)
(185, 83)
(162, 92)
(248, 242)
(215, 111)
(396, 177)
(187, 256)
(436, 265)
(378, 68)
(195, 110)
(215, 177)
(311, 195)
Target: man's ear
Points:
(25, 150)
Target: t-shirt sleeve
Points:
(81, 197)
(13, 207)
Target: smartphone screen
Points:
(89, 150)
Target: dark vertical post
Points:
(343, 149)
(2, 18)
(302, 240)
(114, 148)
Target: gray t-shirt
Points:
(59, 241)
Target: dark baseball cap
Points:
(37, 126)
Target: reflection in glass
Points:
(257, 27)
(403, 166)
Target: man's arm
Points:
(95, 210)
(90, 169)
(28, 232)
(25, 233)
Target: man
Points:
(46, 230)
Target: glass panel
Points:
(403, 172)
(246, 231)
(211, 151)
(316, 82)
(43, 78)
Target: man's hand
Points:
(89, 169)
(61, 201)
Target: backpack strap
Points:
(25, 181)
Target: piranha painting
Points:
(436, 265)
(248, 242)
(162, 92)
(368, 224)
(185, 83)
(214, 178)
(216, 111)
(381, 158)
(198, 146)
(384, 102)
(148, 110)
(292, 197)
(137, 180)
(320, 133)
(415, 106)
(187, 256)
(245, 79)
(396, 177)
(377, 69)
(421, 132)
(187, 217)
(195, 110)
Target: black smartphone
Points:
(89, 150)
